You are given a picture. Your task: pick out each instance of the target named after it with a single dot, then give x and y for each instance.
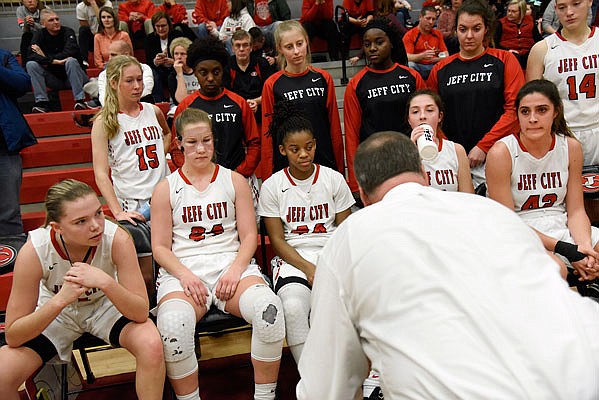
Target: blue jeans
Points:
(10, 178)
(42, 78)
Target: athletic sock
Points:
(265, 391)
(370, 383)
(296, 351)
(195, 395)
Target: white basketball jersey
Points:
(307, 208)
(539, 185)
(203, 222)
(442, 170)
(136, 155)
(574, 68)
(55, 263)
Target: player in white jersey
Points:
(64, 285)
(205, 245)
(129, 143)
(537, 174)
(301, 205)
(569, 59)
(450, 169)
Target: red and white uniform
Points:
(307, 209)
(574, 69)
(93, 312)
(442, 170)
(136, 157)
(205, 235)
(539, 187)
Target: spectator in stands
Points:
(15, 135)
(360, 13)
(312, 90)
(54, 62)
(78, 274)
(178, 16)
(88, 15)
(386, 9)
(137, 14)
(238, 19)
(181, 82)
(158, 54)
(517, 170)
(364, 113)
(263, 45)
(424, 44)
(246, 73)
(268, 14)
(317, 19)
(446, 24)
(123, 48)
(448, 329)
(479, 111)
(28, 18)
(129, 142)
(516, 32)
(108, 32)
(449, 169)
(209, 15)
(234, 126)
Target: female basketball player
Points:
(449, 170)
(312, 89)
(205, 247)
(568, 59)
(301, 205)
(478, 86)
(64, 285)
(129, 143)
(536, 172)
(378, 93)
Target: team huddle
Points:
(524, 143)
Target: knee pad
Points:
(296, 307)
(176, 322)
(263, 309)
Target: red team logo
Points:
(7, 255)
(590, 182)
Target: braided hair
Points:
(287, 120)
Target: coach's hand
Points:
(227, 284)
(194, 287)
(476, 157)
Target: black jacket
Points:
(57, 47)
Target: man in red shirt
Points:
(424, 44)
(317, 19)
(209, 15)
(137, 14)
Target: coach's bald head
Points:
(383, 161)
(120, 48)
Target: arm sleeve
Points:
(252, 140)
(342, 196)
(336, 135)
(508, 122)
(71, 48)
(98, 60)
(442, 46)
(333, 343)
(548, 16)
(432, 82)
(14, 81)
(247, 22)
(268, 204)
(33, 56)
(267, 109)
(149, 10)
(199, 12)
(224, 13)
(408, 42)
(352, 121)
(444, 24)
(309, 11)
(179, 13)
(148, 78)
(124, 12)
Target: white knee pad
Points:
(262, 308)
(176, 322)
(296, 306)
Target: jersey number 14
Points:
(587, 86)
